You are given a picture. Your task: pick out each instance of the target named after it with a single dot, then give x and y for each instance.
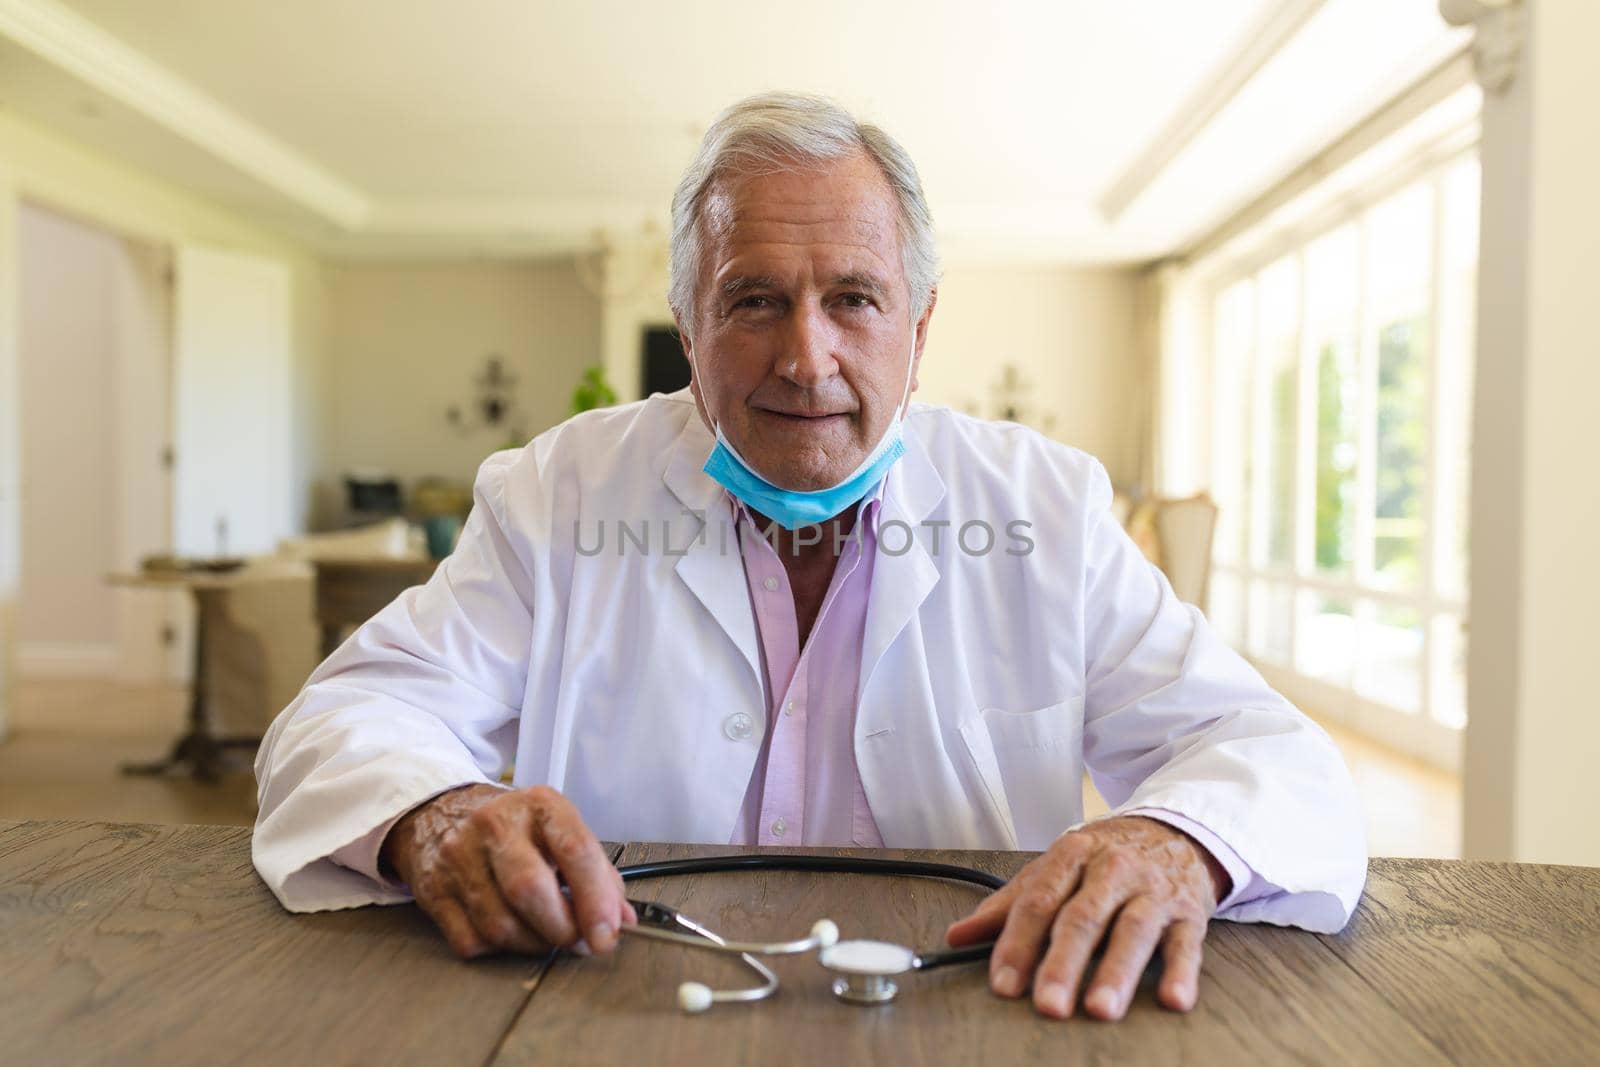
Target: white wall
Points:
(94, 391)
(1071, 333)
(408, 340)
(1533, 732)
(48, 169)
(40, 166)
(70, 498)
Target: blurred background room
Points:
(1310, 277)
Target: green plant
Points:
(593, 390)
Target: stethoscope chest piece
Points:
(866, 969)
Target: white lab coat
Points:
(629, 679)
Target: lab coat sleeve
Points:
(1178, 722)
(423, 698)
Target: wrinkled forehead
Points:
(840, 203)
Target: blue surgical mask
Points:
(792, 508)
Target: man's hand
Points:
(1155, 883)
(484, 864)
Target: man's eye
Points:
(856, 300)
(758, 303)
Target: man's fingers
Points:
(1133, 942)
(597, 896)
(1181, 951)
(500, 859)
(458, 930)
(986, 919)
(531, 888)
(1034, 907)
(496, 922)
(1077, 928)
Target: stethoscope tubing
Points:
(780, 861)
(826, 864)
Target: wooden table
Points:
(158, 944)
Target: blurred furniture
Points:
(392, 538)
(254, 644)
(1185, 528)
(159, 944)
(436, 496)
(1175, 534)
(351, 591)
(358, 572)
(441, 507)
(371, 497)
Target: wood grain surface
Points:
(125, 943)
(1494, 962)
(1269, 995)
(158, 944)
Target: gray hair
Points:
(773, 132)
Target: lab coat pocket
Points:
(1032, 765)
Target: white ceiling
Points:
(371, 127)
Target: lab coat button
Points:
(738, 726)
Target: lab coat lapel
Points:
(711, 565)
(901, 580)
(897, 724)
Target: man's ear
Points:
(688, 353)
(694, 378)
(922, 336)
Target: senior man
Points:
(788, 607)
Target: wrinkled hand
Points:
(1155, 883)
(483, 863)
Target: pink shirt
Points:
(805, 789)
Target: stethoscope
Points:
(866, 969)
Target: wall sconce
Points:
(495, 403)
(1013, 401)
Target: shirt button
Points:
(779, 827)
(771, 584)
(738, 726)
(788, 708)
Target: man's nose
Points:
(807, 359)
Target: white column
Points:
(1532, 786)
(10, 446)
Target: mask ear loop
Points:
(911, 370)
(694, 376)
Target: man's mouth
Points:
(816, 418)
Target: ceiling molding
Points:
(1279, 23)
(79, 47)
(509, 216)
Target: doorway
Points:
(95, 313)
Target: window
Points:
(1342, 388)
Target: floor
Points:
(68, 739)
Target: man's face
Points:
(801, 334)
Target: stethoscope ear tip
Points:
(694, 997)
(825, 933)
